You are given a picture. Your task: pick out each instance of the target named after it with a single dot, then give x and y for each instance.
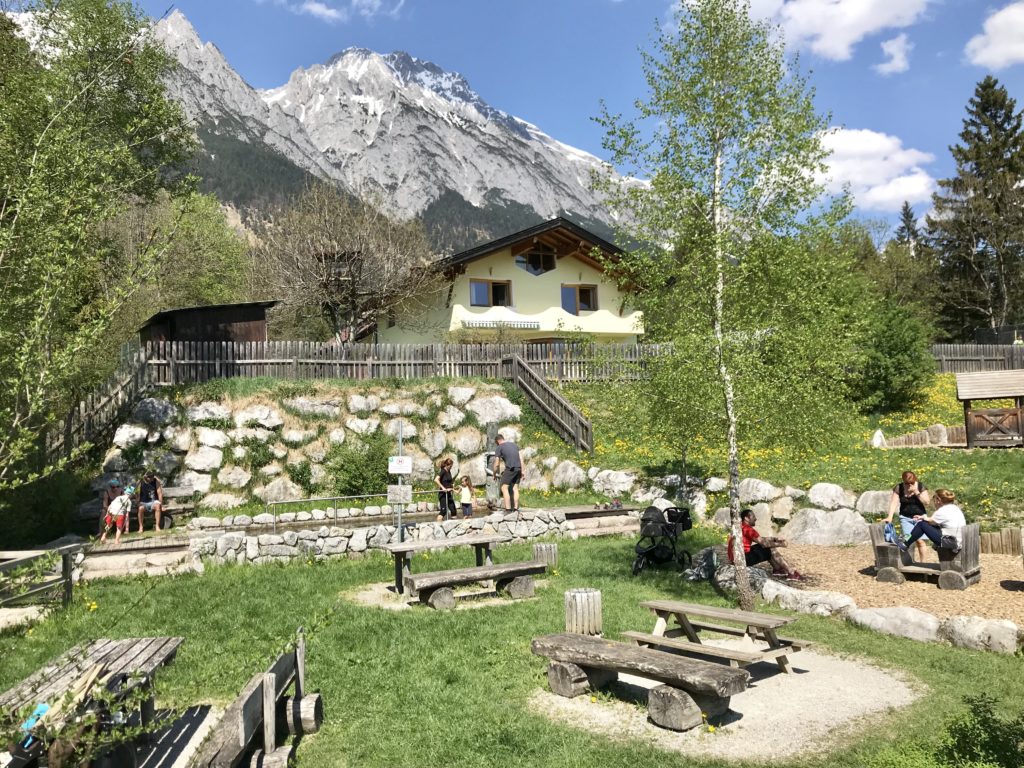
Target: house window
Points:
(579, 298)
(488, 293)
(537, 261)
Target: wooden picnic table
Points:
(403, 551)
(689, 619)
(138, 657)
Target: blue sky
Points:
(895, 74)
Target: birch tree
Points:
(736, 272)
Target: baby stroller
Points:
(659, 534)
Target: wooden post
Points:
(300, 664)
(583, 611)
(546, 553)
(269, 712)
(67, 561)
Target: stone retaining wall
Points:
(221, 545)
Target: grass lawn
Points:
(419, 688)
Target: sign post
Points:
(399, 495)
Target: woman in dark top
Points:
(910, 498)
(445, 490)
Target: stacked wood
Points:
(583, 611)
(1004, 542)
(546, 553)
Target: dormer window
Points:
(537, 260)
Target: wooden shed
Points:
(992, 427)
(217, 322)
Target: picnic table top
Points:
(416, 546)
(766, 620)
(138, 655)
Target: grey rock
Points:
(407, 428)
(827, 527)
(878, 439)
(568, 474)
(206, 522)
(234, 477)
(466, 441)
(290, 538)
(362, 426)
(900, 621)
(252, 548)
(204, 459)
(403, 408)
(221, 501)
(298, 436)
(450, 417)
(725, 578)
(763, 519)
(281, 489)
(337, 436)
(243, 521)
(511, 433)
(278, 451)
(938, 434)
(317, 475)
(241, 434)
(794, 493)
(208, 411)
(316, 452)
(309, 406)
(363, 403)
(163, 462)
(807, 601)
(271, 470)
(154, 412)
(493, 409)
(874, 503)
(722, 517)
(753, 490)
(782, 508)
(461, 395)
(592, 473)
(716, 485)
(285, 517)
(260, 415)
(698, 503)
(114, 461)
(178, 439)
(264, 518)
(534, 478)
(267, 539)
(612, 482)
(280, 550)
(213, 438)
(358, 541)
(831, 496)
(128, 435)
(303, 516)
(433, 441)
(319, 514)
(998, 635)
(199, 482)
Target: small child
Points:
(466, 497)
(117, 515)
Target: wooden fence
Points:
(561, 415)
(966, 358)
(1005, 542)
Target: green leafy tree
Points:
(86, 131)
(978, 222)
(733, 272)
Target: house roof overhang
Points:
(165, 313)
(989, 385)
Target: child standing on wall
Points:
(117, 515)
(466, 492)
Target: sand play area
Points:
(826, 700)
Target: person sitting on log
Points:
(944, 528)
(762, 549)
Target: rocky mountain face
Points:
(390, 127)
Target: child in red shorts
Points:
(117, 515)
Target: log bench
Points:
(690, 688)
(435, 588)
(953, 571)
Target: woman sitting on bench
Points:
(762, 550)
(944, 528)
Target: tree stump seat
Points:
(953, 571)
(690, 688)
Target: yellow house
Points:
(538, 284)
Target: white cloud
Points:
(320, 10)
(1001, 42)
(897, 50)
(832, 28)
(335, 12)
(881, 173)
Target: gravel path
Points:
(999, 594)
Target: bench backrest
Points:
(965, 561)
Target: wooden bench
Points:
(249, 725)
(136, 657)
(177, 503)
(759, 627)
(404, 550)
(953, 571)
(435, 588)
(690, 688)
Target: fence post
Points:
(66, 569)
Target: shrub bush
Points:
(359, 466)
(897, 363)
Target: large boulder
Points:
(298, 436)
(363, 403)
(807, 601)
(337, 436)
(406, 427)
(433, 441)
(214, 438)
(178, 439)
(698, 504)
(782, 508)
(474, 467)
(753, 490)
(461, 395)
(154, 411)
(221, 501)
(208, 411)
(725, 578)
(493, 409)
(204, 459)
(450, 417)
(260, 415)
(831, 496)
(827, 527)
(511, 433)
(362, 426)
(466, 440)
(234, 477)
(900, 621)
(128, 435)
(199, 482)
(163, 462)
(241, 434)
(568, 474)
(716, 484)
(981, 634)
(403, 408)
(612, 482)
(938, 434)
(878, 439)
(310, 406)
(534, 478)
(281, 489)
(423, 468)
(873, 503)
(115, 461)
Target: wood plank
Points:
(642, 638)
(711, 612)
(691, 675)
(1006, 540)
(419, 582)
(420, 546)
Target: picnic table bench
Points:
(690, 688)
(756, 626)
(138, 657)
(403, 552)
(954, 570)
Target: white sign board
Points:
(399, 465)
(399, 494)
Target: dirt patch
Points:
(827, 700)
(466, 598)
(850, 570)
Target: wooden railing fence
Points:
(1008, 541)
(965, 358)
(561, 415)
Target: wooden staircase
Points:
(561, 415)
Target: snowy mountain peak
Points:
(176, 30)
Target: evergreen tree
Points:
(979, 217)
(907, 232)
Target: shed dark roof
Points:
(537, 230)
(165, 313)
(989, 385)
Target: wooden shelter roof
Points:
(165, 313)
(989, 385)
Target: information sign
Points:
(399, 494)
(399, 465)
